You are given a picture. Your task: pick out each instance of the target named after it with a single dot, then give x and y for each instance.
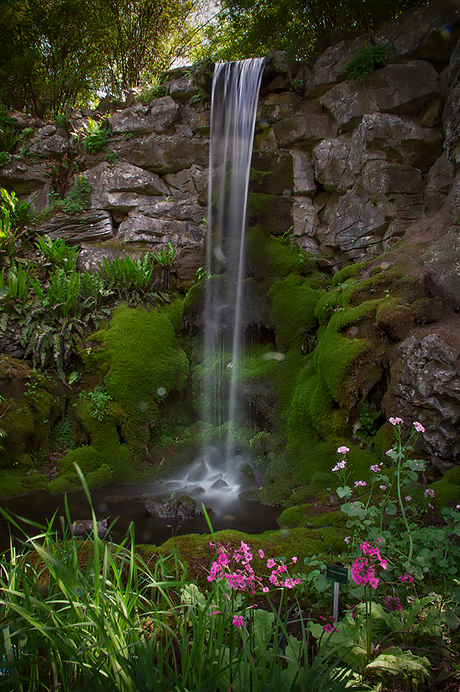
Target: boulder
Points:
(425, 386)
(397, 139)
(123, 186)
(189, 182)
(303, 173)
(359, 223)
(403, 89)
(85, 527)
(172, 221)
(443, 259)
(47, 143)
(331, 161)
(426, 33)
(331, 65)
(171, 508)
(307, 129)
(183, 89)
(304, 217)
(23, 176)
(91, 226)
(347, 103)
(160, 116)
(162, 154)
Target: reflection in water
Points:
(126, 504)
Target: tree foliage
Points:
(56, 53)
(300, 27)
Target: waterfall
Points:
(235, 93)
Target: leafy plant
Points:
(165, 257)
(125, 274)
(9, 137)
(367, 59)
(15, 288)
(5, 158)
(77, 201)
(154, 91)
(99, 402)
(58, 252)
(94, 135)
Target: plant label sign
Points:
(337, 573)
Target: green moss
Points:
(62, 485)
(269, 257)
(293, 310)
(100, 478)
(446, 493)
(16, 482)
(346, 273)
(452, 476)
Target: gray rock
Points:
(190, 181)
(358, 224)
(162, 154)
(427, 33)
(307, 128)
(443, 259)
(23, 176)
(398, 139)
(182, 508)
(183, 89)
(331, 65)
(123, 186)
(302, 168)
(174, 221)
(425, 386)
(404, 89)
(85, 527)
(91, 226)
(347, 103)
(331, 161)
(304, 217)
(160, 116)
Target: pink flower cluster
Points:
(363, 568)
(406, 579)
(234, 566)
(340, 465)
(395, 421)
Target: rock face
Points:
(182, 508)
(342, 170)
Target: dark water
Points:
(126, 504)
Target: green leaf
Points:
(451, 619)
(390, 509)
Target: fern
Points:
(366, 59)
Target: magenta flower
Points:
(261, 554)
(238, 620)
(329, 628)
(270, 563)
(375, 468)
(395, 421)
(363, 568)
(294, 559)
(419, 427)
(406, 579)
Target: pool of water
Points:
(125, 504)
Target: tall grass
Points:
(91, 615)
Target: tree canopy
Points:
(55, 53)
(301, 27)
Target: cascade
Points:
(233, 112)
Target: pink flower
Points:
(360, 484)
(406, 579)
(389, 452)
(347, 539)
(340, 465)
(383, 487)
(419, 427)
(343, 450)
(294, 559)
(429, 493)
(395, 421)
(270, 563)
(261, 554)
(363, 568)
(375, 468)
(238, 620)
(408, 498)
(265, 589)
(328, 628)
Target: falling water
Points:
(223, 470)
(233, 112)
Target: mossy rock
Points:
(15, 482)
(61, 484)
(100, 478)
(272, 212)
(29, 405)
(269, 257)
(293, 310)
(446, 493)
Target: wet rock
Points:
(220, 484)
(182, 508)
(85, 527)
(307, 128)
(166, 221)
(198, 472)
(304, 178)
(359, 222)
(331, 161)
(162, 154)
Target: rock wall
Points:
(346, 170)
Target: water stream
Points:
(233, 112)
